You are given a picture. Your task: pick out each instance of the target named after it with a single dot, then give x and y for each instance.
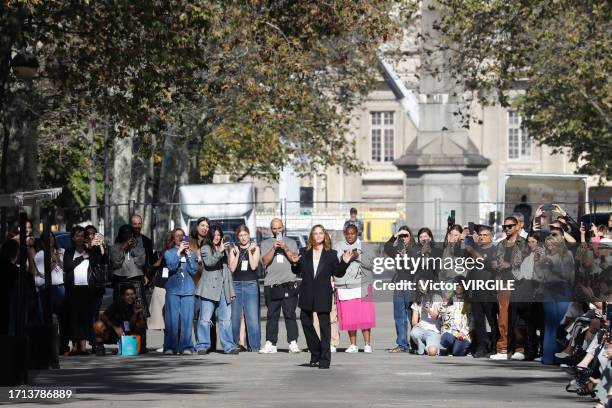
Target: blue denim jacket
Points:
(180, 273)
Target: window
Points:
(306, 197)
(382, 136)
(519, 142)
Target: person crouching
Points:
(123, 317)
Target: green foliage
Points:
(251, 85)
(557, 53)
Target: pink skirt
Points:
(357, 314)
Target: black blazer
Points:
(316, 292)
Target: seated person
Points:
(426, 321)
(123, 317)
(455, 325)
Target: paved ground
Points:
(356, 380)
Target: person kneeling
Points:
(426, 321)
(123, 317)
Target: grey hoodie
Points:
(359, 271)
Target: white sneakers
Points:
(500, 356)
(293, 347)
(352, 349)
(367, 348)
(562, 355)
(187, 352)
(518, 356)
(268, 348)
(332, 349)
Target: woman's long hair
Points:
(428, 232)
(195, 237)
(326, 240)
(211, 234)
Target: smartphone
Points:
(547, 207)
(469, 240)
(471, 228)
(279, 236)
(452, 214)
(186, 239)
(538, 220)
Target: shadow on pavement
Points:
(125, 376)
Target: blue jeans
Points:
(454, 346)
(425, 339)
(553, 313)
(247, 299)
(224, 320)
(402, 299)
(178, 309)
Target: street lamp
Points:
(25, 65)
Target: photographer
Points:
(510, 254)
(215, 294)
(243, 262)
(483, 303)
(280, 280)
(128, 260)
(402, 243)
(180, 290)
(124, 317)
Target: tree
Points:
(557, 54)
(243, 88)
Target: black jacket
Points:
(96, 260)
(316, 292)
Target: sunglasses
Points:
(403, 236)
(508, 226)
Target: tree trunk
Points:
(173, 172)
(120, 193)
(22, 172)
(93, 198)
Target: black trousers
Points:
(288, 306)
(524, 325)
(481, 313)
(319, 348)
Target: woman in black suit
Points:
(317, 263)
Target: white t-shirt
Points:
(57, 274)
(315, 265)
(80, 271)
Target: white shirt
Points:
(80, 271)
(315, 265)
(57, 274)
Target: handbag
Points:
(129, 345)
(284, 290)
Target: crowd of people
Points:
(203, 287)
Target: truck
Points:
(568, 190)
(224, 204)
